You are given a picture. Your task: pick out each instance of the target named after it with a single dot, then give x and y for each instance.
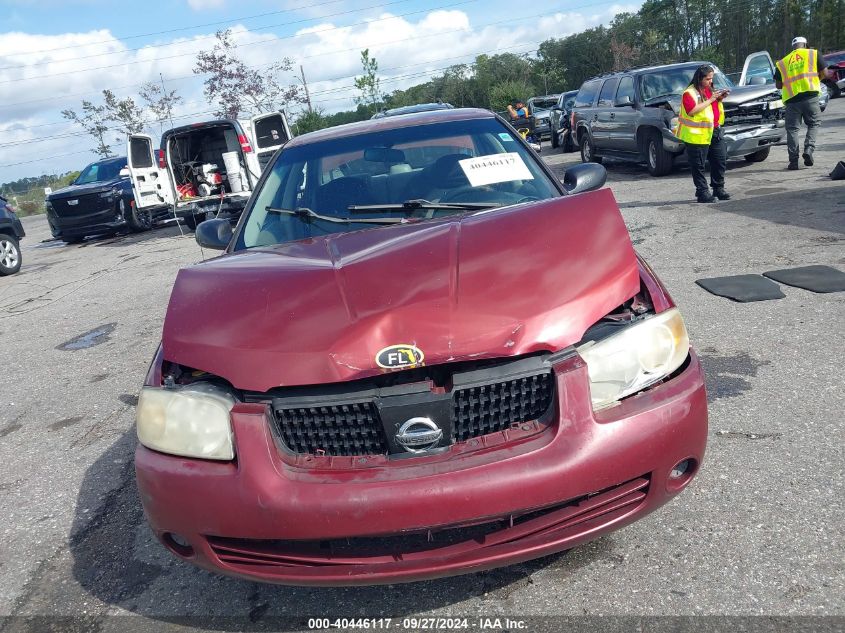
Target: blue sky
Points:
(54, 54)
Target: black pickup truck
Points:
(630, 115)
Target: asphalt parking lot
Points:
(759, 533)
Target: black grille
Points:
(489, 408)
(340, 429)
(362, 418)
(85, 205)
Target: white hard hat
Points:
(798, 40)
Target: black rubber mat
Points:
(742, 288)
(813, 278)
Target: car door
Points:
(605, 120)
(758, 69)
(151, 184)
(269, 132)
(624, 130)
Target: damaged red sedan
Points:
(420, 355)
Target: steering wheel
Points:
(466, 193)
(527, 199)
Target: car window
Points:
(587, 94)
(100, 172)
(625, 93)
(835, 58)
(759, 68)
(479, 162)
(671, 82)
(608, 90)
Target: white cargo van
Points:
(205, 169)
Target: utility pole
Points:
(307, 96)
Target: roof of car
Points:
(645, 69)
(390, 123)
(410, 109)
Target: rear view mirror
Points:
(124, 173)
(584, 177)
(215, 234)
(624, 101)
(384, 155)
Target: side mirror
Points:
(124, 173)
(581, 178)
(215, 234)
(624, 101)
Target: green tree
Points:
(94, 120)
(368, 84)
(237, 88)
(160, 102)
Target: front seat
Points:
(335, 196)
(442, 176)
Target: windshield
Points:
(544, 104)
(671, 82)
(464, 165)
(835, 58)
(100, 172)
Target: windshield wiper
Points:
(414, 205)
(308, 215)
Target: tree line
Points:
(662, 31)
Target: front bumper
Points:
(102, 221)
(267, 518)
(742, 143)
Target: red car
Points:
(420, 355)
(836, 63)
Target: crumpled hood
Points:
(744, 94)
(494, 284)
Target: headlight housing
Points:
(191, 421)
(641, 354)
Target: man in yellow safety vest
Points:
(797, 75)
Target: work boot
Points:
(721, 194)
(793, 165)
(808, 159)
(704, 196)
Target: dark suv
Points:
(100, 200)
(11, 232)
(630, 115)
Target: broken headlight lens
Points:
(638, 356)
(191, 421)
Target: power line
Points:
(530, 47)
(204, 37)
(274, 40)
(184, 28)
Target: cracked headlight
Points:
(191, 421)
(638, 356)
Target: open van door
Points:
(151, 184)
(269, 133)
(759, 69)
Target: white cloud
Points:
(202, 5)
(41, 75)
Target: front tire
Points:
(10, 255)
(759, 156)
(191, 221)
(588, 150)
(658, 159)
(137, 219)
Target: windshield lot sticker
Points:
(400, 357)
(488, 170)
(505, 137)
